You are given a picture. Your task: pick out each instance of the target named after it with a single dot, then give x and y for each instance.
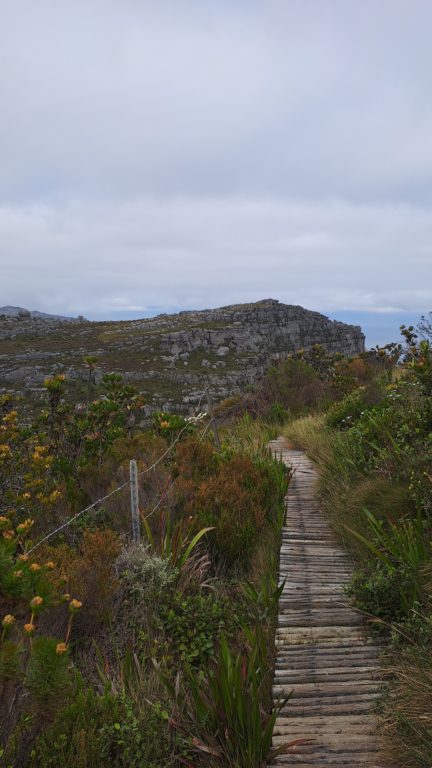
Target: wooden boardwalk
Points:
(324, 654)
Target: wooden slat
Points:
(324, 654)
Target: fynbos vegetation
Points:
(134, 655)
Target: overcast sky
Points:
(186, 154)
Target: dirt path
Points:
(324, 653)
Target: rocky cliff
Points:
(171, 358)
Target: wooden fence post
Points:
(213, 420)
(136, 532)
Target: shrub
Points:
(294, 385)
(345, 413)
(376, 591)
(146, 584)
(238, 501)
(95, 731)
(193, 625)
(92, 578)
(277, 414)
(142, 574)
(47, 676)
(171, 424)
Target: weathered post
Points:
(213, 420)
(136, 533)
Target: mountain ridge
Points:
(12, 311)
(171, 358)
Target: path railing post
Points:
(213, 420)
(136, 532)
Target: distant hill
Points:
(169, 358)
(21, 312)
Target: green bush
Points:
(144, 575)
(95, 731)
(193, 625)
(276, 414)
(376, 591)
(47, 675)
(346, 412)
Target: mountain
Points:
(21, 312)
(170, 358)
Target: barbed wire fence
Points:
(134, 476)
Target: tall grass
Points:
(311, 435)
(250, 436)
(408, 720)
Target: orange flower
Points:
(8, 620)
(29, 628)
(36, 602)
(8, 534)
(23, 558)
(50, 565)
(18, 574)
(74, 605)
(61, 648)
(25, 526)
(35, 567)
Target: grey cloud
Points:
(111, 98)
(189, 153)
(134, 255)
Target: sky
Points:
(181, 154)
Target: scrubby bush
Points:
(143, 575)
(193, 625)
(233, 502)
(98, 730)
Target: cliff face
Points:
(171, 358)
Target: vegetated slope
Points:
(170, 358)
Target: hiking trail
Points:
(324, 652)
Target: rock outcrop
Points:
(171, 358)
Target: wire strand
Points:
(167, 490)
(120, 487)
(170, 447)
(78, 514)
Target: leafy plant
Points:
(174, 543)
(399, 544)
(265, 597)
(98, 730)
(225, 720)
(193, 625)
